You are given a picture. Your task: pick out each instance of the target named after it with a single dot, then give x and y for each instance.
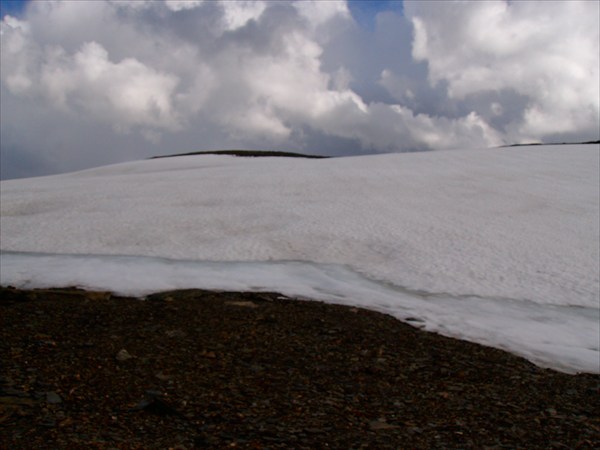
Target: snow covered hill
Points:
(498, 246)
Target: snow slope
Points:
(498, 246)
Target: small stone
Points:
(42, 336)
(414, 319)
(245, 304)
(162, 377)
(48, 422)
(152, 393)
(154, 403)
(377, 425)
(98, 295)
(175, 333)
(66, 422)
(123, 355)
(53, 398)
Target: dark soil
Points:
(197, 369)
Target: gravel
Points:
(197, 369)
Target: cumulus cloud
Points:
(179, 75)
(179, 5)
(547, 51)
(237, 14)
(127, 93)
(319, 13)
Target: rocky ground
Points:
(197, 369)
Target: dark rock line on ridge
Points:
(272, 153)
(246, 153)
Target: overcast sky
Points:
(87, 83)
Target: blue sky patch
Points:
(12, 7)
(365, 11)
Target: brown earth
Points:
(197, 369)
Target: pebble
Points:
(53, 398)
(48, 422)
(242, 381)
(244, 304)
(175, 333)
(377, 425)
(123, 355)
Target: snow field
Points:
(497, 246)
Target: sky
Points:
(89, 83)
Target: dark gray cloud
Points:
(89, 83)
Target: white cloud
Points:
(135, 93)
(547, 51)
(18, 55)
(126, 93)
(238, 13)
(180, 5)
(318, 12)
(14, 23)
